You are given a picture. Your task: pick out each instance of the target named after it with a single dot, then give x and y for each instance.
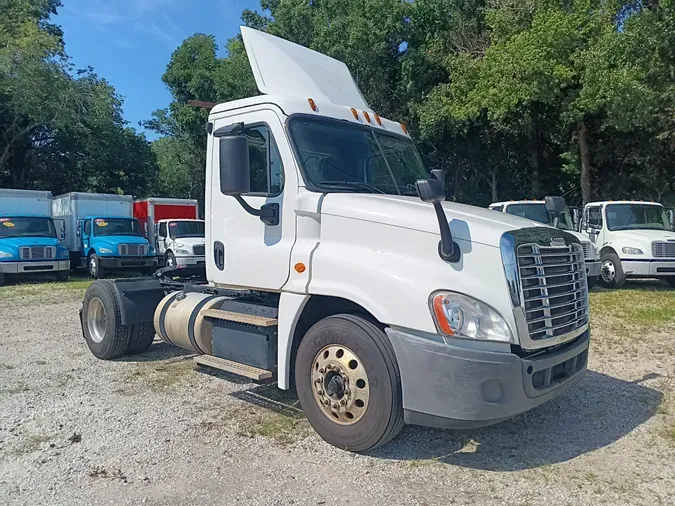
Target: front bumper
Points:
(449, 386)
(593, 268)
(34, 266)
(127, 262)
(648, 268)
(190, 260)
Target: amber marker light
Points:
(312, 104)
(300, 267)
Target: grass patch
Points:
(160, 376)
(645, 308)
(422, 463)
(282, 428)
(50, 292)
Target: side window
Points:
(595, 217)
(267, 171)
(87, 228)
(162, 229)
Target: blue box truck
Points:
(102, 234)
(29, 237)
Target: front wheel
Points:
(62, 275)
(94, 266)
(611, 273)
(170, 260)
(670, 281)
(349, 384)
(2, 278)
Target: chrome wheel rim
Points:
(169, 261)
(97, 323)
(340, 384)
(608, 271)
(92, 266)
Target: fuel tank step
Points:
(233, 367)
(250, 319)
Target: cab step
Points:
(237, 368)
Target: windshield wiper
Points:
(348, 185)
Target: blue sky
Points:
(129, 42)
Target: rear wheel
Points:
(611, 273)
(142, 335)
(348, 383)
(106, 337)
(94, 266)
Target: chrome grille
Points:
(199, 250)
(37, 252)
(662, 249)
(129, 250)
(554, 291)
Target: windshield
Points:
(29, 226)
(116, 226)
(186, 229)
(636, 216)
(342, 156)
(538, 212)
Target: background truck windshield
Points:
(116, 226)
(636, 216)
(26, 227)
(538, 212)
(337, 155)
(186, 229)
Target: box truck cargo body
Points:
(101, 232)
(172, 227)
(29, 237)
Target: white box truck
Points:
(29, 237)
(536, 210)
(102, 234)
(334, 264)
(635, 240)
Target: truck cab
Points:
(181, 242)
(536, 210)
(635, 240)
(114, 243)
(29, 237)
(335, 265)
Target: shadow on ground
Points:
(596, 413)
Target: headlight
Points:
(4, 254)
(182, 252)
(460, 316)
(632, 251)
(105, 250)
(65, 253)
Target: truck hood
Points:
(112, 241)
(468, 223)
(14, 243)
(645, 235)
(582, 238)
(190, 241)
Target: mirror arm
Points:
(268, 214)
(447, 249)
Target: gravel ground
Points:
(152, 430)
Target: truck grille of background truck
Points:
(553, 288)
(586, 246)
(662, 249)
(37, 253)
(135, 250)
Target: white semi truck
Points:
(635, 240)
(536, 210)
(335, 266)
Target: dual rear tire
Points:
(106, 336)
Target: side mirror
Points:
(430, 190)
(555, 205)
(235, 172)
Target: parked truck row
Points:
(98, 232)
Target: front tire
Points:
(349, 384)
(2, 278)
(106, 337)
(670, 281)
(62, 276)
(94, 266)
(170, 260)
(611, 272)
